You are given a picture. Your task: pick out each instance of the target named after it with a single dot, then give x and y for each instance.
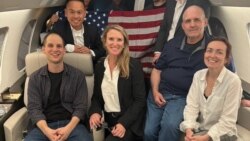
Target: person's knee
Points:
(80, 132)
(150, 131)
(170, 126)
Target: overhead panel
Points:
(10, 5)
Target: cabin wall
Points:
(236, 21)
(15, 21)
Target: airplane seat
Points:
(18, 122)
(243, 124)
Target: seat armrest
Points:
(243, 133)
(243, 117)
(98, 135)
(15, 125)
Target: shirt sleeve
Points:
(191, 110)
(229, 114)
(162, 61)
(35, 108)
(70, 47)
(92, 53)
(80, 103)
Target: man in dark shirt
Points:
(172, 77)
(171, 24)
(57, 97)
(79, 37)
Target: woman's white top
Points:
(110, 89)
(218, 113)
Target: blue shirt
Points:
(178, 64)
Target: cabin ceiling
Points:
(10, 5)
(237, 3)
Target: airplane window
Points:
(3, 32)
(25, 44)
(217, 28)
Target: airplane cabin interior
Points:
(21, 23)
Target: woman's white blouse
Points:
(110, 89)
(218, 113)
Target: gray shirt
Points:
(73, 92)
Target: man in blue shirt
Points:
(172, 76)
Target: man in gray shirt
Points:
(57, 97)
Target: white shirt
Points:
(180, 4)
(78, 36)
(78, 40)
(218, 113)
(110, 89)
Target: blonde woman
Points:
(119, 89)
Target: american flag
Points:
(100, 19)
(142, 28)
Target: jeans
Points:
(162, 123)
(79, 133)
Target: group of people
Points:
(193, 86)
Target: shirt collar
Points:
(181, 1)
(106, 65)
(44, 72)
(220, 77)
(77, 31)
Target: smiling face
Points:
(216, 55)
(194, 23)
(75, 13)
(114, 42)
(54, 49)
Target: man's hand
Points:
(156, 57)
(245, 103)
(52, 134)
(64, 133)
(81, 49)
(54, 18)
(118, 130)
(159, 99)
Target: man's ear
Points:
(206, 22)
(65, 12)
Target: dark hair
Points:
(51, 33)
(82, 1)
(228, 45)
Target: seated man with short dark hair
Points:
(57, 97)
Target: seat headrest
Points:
(83, 62)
